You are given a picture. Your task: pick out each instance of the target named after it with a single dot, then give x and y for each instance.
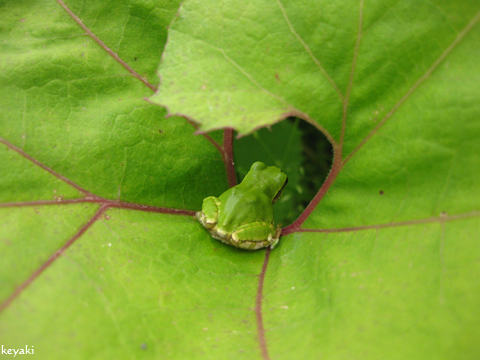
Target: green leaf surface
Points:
(75, 109)
(101, 258)
(140, 278)
(404, 292)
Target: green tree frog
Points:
(243, 215)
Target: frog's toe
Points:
(208, 223)
(200, 216)
(274, 243)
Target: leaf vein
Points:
(309, 52)
(417, 84)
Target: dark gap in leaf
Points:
(296, 147)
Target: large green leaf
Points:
(101, 258)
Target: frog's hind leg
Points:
(255, 235)
(208, 217)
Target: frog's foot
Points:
(208, 217)
(277, 237)
(255, 236)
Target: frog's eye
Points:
(279, 193)
(258, 165)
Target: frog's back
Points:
(244, 206)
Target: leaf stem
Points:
(337, 165)
(227, 154)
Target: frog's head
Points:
(270, 179)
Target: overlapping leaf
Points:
(383, 267)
